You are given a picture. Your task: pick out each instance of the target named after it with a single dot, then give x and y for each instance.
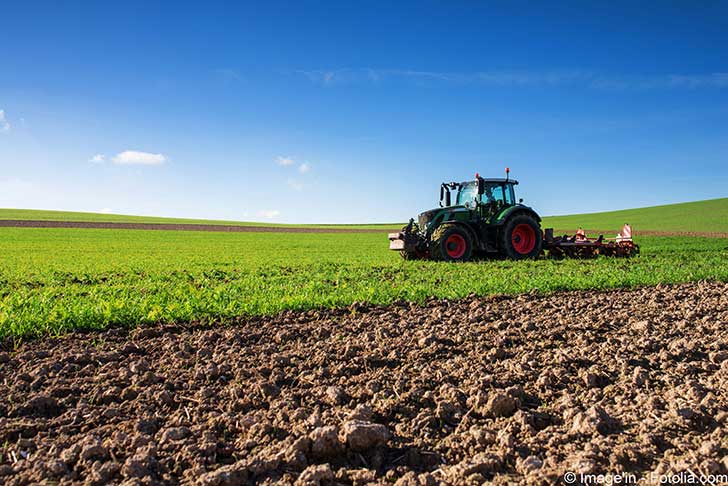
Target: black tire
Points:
(452, 243)
(409, 255)
(521, 238)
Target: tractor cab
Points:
(488, 196)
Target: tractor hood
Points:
(442, 214)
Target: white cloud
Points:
(4, 123)
(285, 161)
(295, 185)
(269, 213)
(133, 157)
(97, 159)
(105, 211)
(303, 168)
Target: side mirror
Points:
(520, 201)
(447, 198)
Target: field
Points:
(693, 217)
(43, 215)
(56, 280)
(301, 358)
(498, 391)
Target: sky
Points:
(355, 112)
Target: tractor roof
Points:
(500, 180)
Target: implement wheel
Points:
(521, 238)
(452, 243)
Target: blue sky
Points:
(356, 111)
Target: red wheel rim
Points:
(455, 246)
(523, 239)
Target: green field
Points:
(45, 215)
(56, 280)
(701, 216)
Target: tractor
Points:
(478, 217)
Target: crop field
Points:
(68, 216)
(694, 217)
(56, 280)
(310, 358)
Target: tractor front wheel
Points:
(452, 243)
(521, 238)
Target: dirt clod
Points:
(501, 405)
(360, 435)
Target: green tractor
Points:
(478, 217)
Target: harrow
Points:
(580, 246)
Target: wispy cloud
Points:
(290, 163)
(134, 157)
(670, 81)
(269, 213)
(97, 159)
(105, 211)
(4, 123)
(285, 161)
(575, 77)
(295, 184)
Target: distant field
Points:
(699, 217)
(42, 215)
(694, 217)
(56, 280)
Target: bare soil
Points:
(497, 390)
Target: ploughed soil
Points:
(16, 223)
(511, 390)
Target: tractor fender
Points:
(457, 215)
(518, 209)
(460, 224)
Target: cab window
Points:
(510, 195)
(493, 193)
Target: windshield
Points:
(467, 193)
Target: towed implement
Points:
(482, 217)
(579, 246)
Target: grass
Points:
(702, 216)
(56, 280)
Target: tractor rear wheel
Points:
(452, 243)
(521, 238)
